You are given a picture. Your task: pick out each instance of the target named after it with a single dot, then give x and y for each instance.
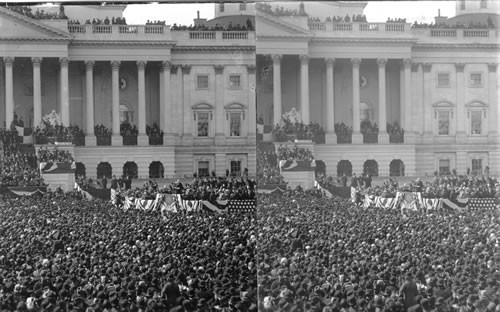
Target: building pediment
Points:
(273, 26)
(16, 26)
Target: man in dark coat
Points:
(409, 291)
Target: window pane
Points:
(476, 122)
(203, 168)
(475, 79)
(221, 7)
(235, 168)
(477, 166)
(235, 124)
(444, 166)
(202, 124)
(444, 123)
(234, 81)
(443, 80)
(202, 81)
(243, 6)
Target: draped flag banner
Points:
(56, 168)
(297, 165)
(414, 201)
(26, 134)
(322, 189)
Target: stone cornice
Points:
(424, 46)
(121, 43)
(247, 49)
(357, 41)
(24, 39)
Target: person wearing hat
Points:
(409, 291)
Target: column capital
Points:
(141, 64)
(414, 67)
(89, 65)
(427, 67)
(166, 65)
(492, 67)
(304, 59)
(36, 61)
(8, 60)
(64, 61)
(115, 65)
(356, 61)
(251, 69)
(381, 62)
(219, 69)
(407, 62)
(276, 58)
(174, 68)
(330, 61)
(459, 67)
(186, 69)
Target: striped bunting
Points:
(236, 206)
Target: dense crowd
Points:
(279, 11)
(54, 156)
(107, 21)
(267, 167)
(18, 168)
(217, 27)
(155, 22)
(450, 187)
(472, 25)
(318, 254)
(296, 153)
(62, 253)
(345, 19)
(39, 14)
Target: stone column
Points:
(9, 91)
(277, 89)
(252, 109)
(304, 88)
(409, 134)
(428, 120)
(65, 119)
(90, 139)
(142, 138)
(37, 91)
(116, 139)
(420, 99)
(166, 107)
(414, 97)
(186, 105)
(220, 136)
(383, 137)
(402, 107)
(331, 137)
(357, 137)
(493, 116)
(461, 118)
(161, 95)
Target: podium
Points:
(58, 175)
(298, 173)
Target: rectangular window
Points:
(444, 166)
(476, 80)
(443, 80)
(477, 166)
(243, 6)
(483, 4)
(203, 168)
(462, 4)
(234, 81)
(202, 81)
(476, 122)
(235, 168)
(234, 124)
(443, 122)
(221, 7)
(202, 124)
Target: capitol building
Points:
(197, 85)
(393, 98)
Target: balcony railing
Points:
(361, 27)
(235, 35)
(443, 32)
(344, 139)
(79, 140)
(103, 140)
(156, 140)
(396, 138)
(370, 138)
(202, 35)
(476, 33)
(129, 140)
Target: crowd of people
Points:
(18, 168)
(107, 21)
(472, 25)
(38, 14)
(359, 18)
(155, 22)
(296, 153)
(279, 10)
(396, 20)
(319, 254)
(268, 172)
(217, 27)
(54, 156)
(60, 252)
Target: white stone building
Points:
(440, 84)
(197, 85)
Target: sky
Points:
(376, 11)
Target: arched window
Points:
(365, 112)
(371, 168)
(396, 168)
(126, 114)
(156, 170)
(80, 170)
(130, 169)
(104, 170)
(344, 167)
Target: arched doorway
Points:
(371, 168)
(130, 169)
(104, 170)
(80, 170)
(344, 167)
(156, 170)
(396, 168)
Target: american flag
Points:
(241, 205)
(482, 203)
